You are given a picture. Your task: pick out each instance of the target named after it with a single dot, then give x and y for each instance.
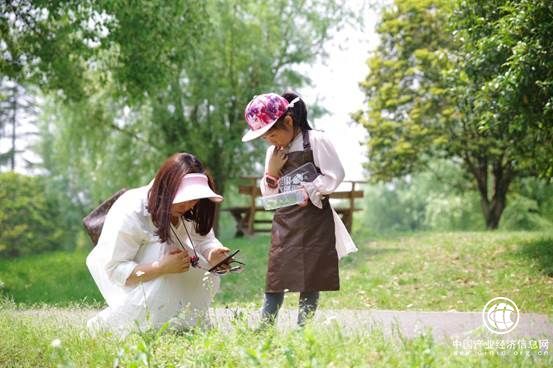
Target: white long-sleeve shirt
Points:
(127, 240)
(332, 174)
(325, 158)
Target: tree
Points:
(27, 217)
(52, 44)
(423, 102)
(246, 47)
(511, 72)
(17, 114)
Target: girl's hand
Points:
(306, 201)
(277, 161)
(175, 262)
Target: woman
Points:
(155, 247)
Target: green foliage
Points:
(27, 217)
(442, 199)
(508, 46)
(140, 47)
(82, 156)
(530, 206)
(407, 98)
(454, 212)
(437, 199)
(469, 81)
(523, 213)
(246, 47)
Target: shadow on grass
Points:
(365, 254)
(381, 251)
(541, 251)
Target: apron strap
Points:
(306, 143)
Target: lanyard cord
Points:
(195, 259)
(189, 238)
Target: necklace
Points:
(194, 259)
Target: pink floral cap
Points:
(262, 113)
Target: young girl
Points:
(307, 239)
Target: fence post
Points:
(251, 217)
(349, 220)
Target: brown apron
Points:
(303, 246)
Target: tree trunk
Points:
(14, 124)
(492, 208)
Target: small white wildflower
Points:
(139, 273)
(286, 290)
(56, 343)
(329, 320)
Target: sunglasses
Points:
(227, 265)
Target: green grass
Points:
(56, 278)
(425, 271)
(27, 342)
(450, 271)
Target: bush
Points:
(444, 199)
(454, 212)
(439, 199)
(27, 217)
(523, 213)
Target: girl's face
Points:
(281, 137)
(179, 209)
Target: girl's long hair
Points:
(164, 189)
(298, 113)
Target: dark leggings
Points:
(273, 302)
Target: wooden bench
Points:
(247, 223)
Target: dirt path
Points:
(443, 325)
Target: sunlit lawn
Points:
(425, 271)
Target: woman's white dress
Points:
(128, 239)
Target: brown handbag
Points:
(94, 221)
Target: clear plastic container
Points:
(285, 199)
(291, 181)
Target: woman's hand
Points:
(277, 161)
(216, 255)
(175, 262)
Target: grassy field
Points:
(424, 271)
(28, 342)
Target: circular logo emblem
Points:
(500, 315)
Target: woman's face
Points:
(179, 209)
(281, 137)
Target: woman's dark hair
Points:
(164, 189)
(298, 113)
